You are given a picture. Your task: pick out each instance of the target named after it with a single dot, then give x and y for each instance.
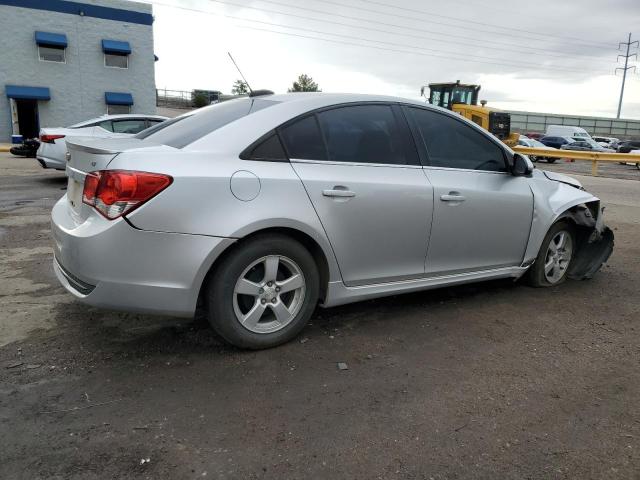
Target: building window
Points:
(116, 61)
(51, 46)
(48, 53)
(118, 109)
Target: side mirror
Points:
(522, 166)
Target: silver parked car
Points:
(260, 208)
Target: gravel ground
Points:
(493, 380)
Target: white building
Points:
(62, 62)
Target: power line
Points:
(421, 52)
(512, 29)
(624, 69)
(471, 60)
(493, 60)
(393, 25)
(275, 2)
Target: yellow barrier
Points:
(593, 157)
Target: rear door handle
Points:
(453, 197)
(338, 193)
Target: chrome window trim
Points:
(354, 164)
(429, 167)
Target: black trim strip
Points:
(82, 287)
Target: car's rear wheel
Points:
(263, 293)
(555, 256)
(551, 160)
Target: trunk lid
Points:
(89, 154)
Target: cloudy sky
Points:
(545, 56)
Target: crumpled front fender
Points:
(591, 255)
(554, 200)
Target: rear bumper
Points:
(48, 162)
(112, 265)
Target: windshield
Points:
(181, 131)
(536, 143)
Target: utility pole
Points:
(628, 44)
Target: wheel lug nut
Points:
(263, 301)
(261, 290)
(273, 300)
(277, 289)
(270, 283)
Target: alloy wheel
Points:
(558, 256)
(269, 294)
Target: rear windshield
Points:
(181, 131)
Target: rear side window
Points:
(107, 125)
(303, 139)
(452, 144)
(363, 134)
(187, 129)
(269, 149)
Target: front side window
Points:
(363, 134)
(48, 53)
(129, 126)
(116, 61)
(118, 109)
(452, 144)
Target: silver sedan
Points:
(261, 208)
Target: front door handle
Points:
(453, 197)
(338, 193)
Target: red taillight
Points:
(117, 192)
(50, 138)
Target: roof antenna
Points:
(236, 65)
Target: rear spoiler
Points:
(106, 146)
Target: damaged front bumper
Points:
(595, 242)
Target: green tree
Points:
(239, 88)
(304, 84)
(200, 99)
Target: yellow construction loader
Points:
(463, 98)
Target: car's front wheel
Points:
(554, 258)
(263, 293)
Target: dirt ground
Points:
(487, 381)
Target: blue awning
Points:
(51, 39)
(117, 47)
(117, 98)
(27, 93)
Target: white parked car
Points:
(606, 142)
(53, 146)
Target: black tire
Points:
(551, 160)
(535, 275)
(219, 293)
